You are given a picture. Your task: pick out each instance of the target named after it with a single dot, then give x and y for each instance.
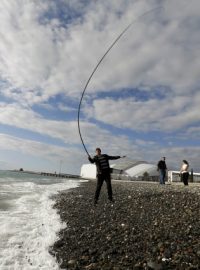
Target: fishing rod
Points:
(98, 64)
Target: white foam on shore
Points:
(30, 225)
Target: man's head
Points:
(98, 151)
(164, 158)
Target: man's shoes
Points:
(95, 202)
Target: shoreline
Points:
(148, 227)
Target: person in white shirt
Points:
(184, 172)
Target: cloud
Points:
(175, 155)
(40, 155)
(66, 131)
(24, 118)
(163, 50)
(41, 57)
(47, 156)
(169, 114)
(37, 154)
(49, 48)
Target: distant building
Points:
(88, 171)
(125, 169)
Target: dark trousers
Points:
(185, 177)
(162, 176)
(100, 180)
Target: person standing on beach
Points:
(162, 168)
(184, 172)
(103, 173)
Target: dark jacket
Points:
(102, 162)
(162, 165)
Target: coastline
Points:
(148, 227)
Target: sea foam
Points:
(29, 224)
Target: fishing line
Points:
(96, 67)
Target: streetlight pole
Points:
(60, 166)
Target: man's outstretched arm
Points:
(115, 157)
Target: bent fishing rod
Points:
(98, 64)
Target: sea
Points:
(29, 224)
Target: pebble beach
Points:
(149, 226)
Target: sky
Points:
(142, 102)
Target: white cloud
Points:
(175, 155)
(24, 118)
(155, 52)
(42, 55)
(47, 157)
(39, 154)
(42, 59)
(63, 107)
(169, 114)
(66, 131)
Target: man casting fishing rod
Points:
(101, 161)
(103, 172)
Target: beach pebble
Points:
(148, 227)
(91, 266)
(154, 265)
(71, 262)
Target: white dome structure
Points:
(88, 171)
(124, 169)
(142, 168)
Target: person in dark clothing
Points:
(162, 168)
(103, 172)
